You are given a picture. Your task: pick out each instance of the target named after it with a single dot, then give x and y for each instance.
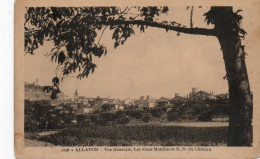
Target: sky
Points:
(155, 63)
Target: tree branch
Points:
(102, 34)
(191, 14)
(195, 31)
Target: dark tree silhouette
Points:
(74, 32)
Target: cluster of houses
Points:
(85, 105)
(197, 95)
(82, 105)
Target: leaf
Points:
(142, 28)
(165, 9)
(61, 57)
(53, 95)
(116, 44)
(46, 89)
(240, 10)
(131, 18)
(55, 81)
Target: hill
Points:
(34, 92)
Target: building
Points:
(178, 99)
(194, 90)
(148, 102)
(128, 101)
(222, 96)
(201, 96)
(163, 102)
(119, 107)
(83, 110)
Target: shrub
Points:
(31, 135)
(93, 117)
(136, 113)
(185, 116)
(95, 112)
(172, 116)
(35, 113)
(81, 118)
(123, 120)
(101, 121)
(30, 125)
(205, 116)
(156, 112)
(120, 113)
(146, 118)
(110, 116)
(164, 109)
(106, 107)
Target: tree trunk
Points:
(240, 97)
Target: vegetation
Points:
(32, 87)
(123, 120)
(148, 135)
(81, 43)
(172, 116)
(136, 113)
(156, 112)
(96, 128)
(146, 118)
(39, 115)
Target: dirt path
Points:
(186, 124)
(44, 133)
(35, 143)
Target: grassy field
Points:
(139, 135)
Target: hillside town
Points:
(84, 105)
(87, 106)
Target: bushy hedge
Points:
(36, 115)
(120, 113)
(172, 116)
(81, 118)
(104, 117)
(207, 116)
(136, 113)
(109, 116)
(146, 118)
(94, 117)
(30, 125)
(156, 112)
(123, 120)
(101, 121)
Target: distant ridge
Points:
(34, 92)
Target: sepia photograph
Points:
(137, 75)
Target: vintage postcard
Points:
(137, 79)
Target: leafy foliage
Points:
(74, 31)
(146, 118)
(228, 20)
